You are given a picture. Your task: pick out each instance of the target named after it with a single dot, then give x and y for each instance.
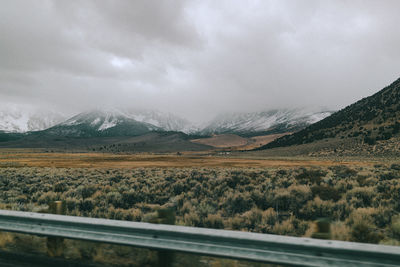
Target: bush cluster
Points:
(284, 201)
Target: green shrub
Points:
(192, 219)
(115, 199)
(364, 232)
(87, 191)
(395, 166)
(86, 205)
(214, 221)
(60, 187)
(238, 203)
(363, 196)
(292, 198)
(317, 208)
(312, 176)
(325, 192)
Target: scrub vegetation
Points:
(362, 202)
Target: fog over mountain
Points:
(196, 59)
(25, 118)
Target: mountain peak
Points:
(110, 117)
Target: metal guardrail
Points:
(221, 243)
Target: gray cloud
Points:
(196, 58)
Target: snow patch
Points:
(108, 124)
(95, 122)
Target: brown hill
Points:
(235, 142)
(372, 120)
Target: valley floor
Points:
(32, 158)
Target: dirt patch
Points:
(235, 142)
(223, 141)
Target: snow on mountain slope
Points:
(103, 119)
(166, 121)
(130, 121)
(19, 119)
(282, 119)
(99, 123)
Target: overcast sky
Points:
(196, 58)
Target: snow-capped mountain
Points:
(278, 120)
(165, 121)
(131, 122)
(103, 119)
(20, 119)
(98, 123)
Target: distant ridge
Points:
(273, 121)
(370, 119)
(99, 123)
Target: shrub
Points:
(340, 231)
(363, 196)
(317, 208)
(86, 205)
(293, 198)
(60, 187)
(238, 203)
(252, 219)
(115, 199)
(192, 219)
(341, 210)
(313, 176)
(129, 199)
(48, 197)
(326, 192)
(87, 191)
(236, 223)
(395, 166)
(285, 228)
(389, 176)
(362, 231)
(71, 204)
(343, 171)
(214, 221)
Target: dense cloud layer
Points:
(196, 58)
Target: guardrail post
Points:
(55, 245)
(323, 229)
(165, 216)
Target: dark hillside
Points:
(5, 137)
(371, 119)
(150, 142)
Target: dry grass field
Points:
(223, 141)
(235, 142)
(22, 158)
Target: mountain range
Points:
(141, 130)
(371, 124)
(370, 121)
(111, 122)
(265, 122)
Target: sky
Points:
(196, 58)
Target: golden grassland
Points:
(23, 158)
(238, 143)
